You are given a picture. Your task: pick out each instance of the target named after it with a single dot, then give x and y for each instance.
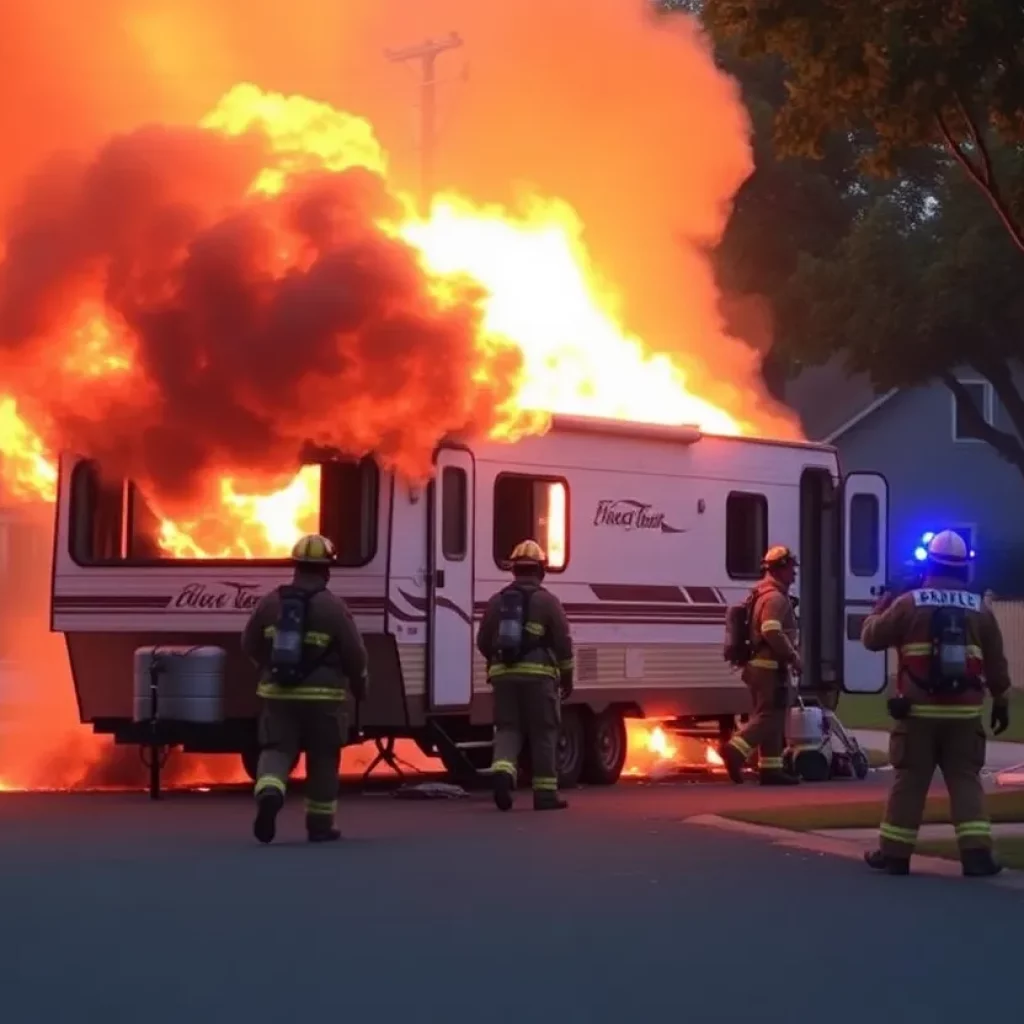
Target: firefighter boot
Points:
(890, 865)
(734, 762)
(548, 800)
(979, 864)
(504, 785)
(268, 806)
(320, 829)
(778, 777)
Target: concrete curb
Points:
(813, 843)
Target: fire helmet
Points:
(778, 557)
(528, 552)
(314, 549)
(948, 548)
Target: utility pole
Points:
(427, 53)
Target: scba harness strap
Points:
(948, 653)
(517, 635)
(295, 651)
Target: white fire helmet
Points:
(948, 548)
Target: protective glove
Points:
(899, 708)
(1000, 720)
(883, 602)
(359, 688)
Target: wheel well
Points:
(628, 709)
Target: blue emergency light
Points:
(921, 551)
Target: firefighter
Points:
(774, 656)
(524, 637)
(949, 649)
(312, 657)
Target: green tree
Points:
(920, 90)
(912, 294)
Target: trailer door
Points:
(866, 542)
(451, 580)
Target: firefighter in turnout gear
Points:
(312, 659)
(773, 657)
(524, 636)
(950, 649)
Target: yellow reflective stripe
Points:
(534, 628)
(507, 767)
(762, 663)
(896, 834)
(274, 691)
(544, 783)
(946, 710)
(311, 637)
(321, 806)
(771, 762)
(568, 665)
(523, 668)
(921, 649)
(974, 828)
(265, 782)
(916, 649)
(740, 744)
(771, 626)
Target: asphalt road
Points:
(115, 909)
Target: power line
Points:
(427, 54)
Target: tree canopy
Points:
(898, 138)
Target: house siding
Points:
(935, 481)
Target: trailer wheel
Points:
(571, 748)
(605, 748)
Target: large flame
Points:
(542, 291)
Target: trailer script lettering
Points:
(223, 596)
(627, 514)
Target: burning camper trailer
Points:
(652, 532)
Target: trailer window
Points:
(535, 508)
(112, 522)
(454, 492)
(864, 535)
(746, 534)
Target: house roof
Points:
(829, 401)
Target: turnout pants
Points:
(527, 706)
(315, 727)
(766, 730)
(919, 745)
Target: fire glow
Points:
(541, 297)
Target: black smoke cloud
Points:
(258, 323)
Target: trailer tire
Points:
(605, 748)
(571, 748)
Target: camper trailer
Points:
(651, 533)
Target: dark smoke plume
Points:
(258, 323)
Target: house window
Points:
(454, 487)
(980, 394)
(864, 535)
(746, 534)
(531, 508)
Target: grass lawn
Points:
(1009, 850)
(1007, 806)
(857, 712)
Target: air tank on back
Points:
(190, 684)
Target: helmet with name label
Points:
(948, 548)
(778, 557)
(527, 552)
(314, 549)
